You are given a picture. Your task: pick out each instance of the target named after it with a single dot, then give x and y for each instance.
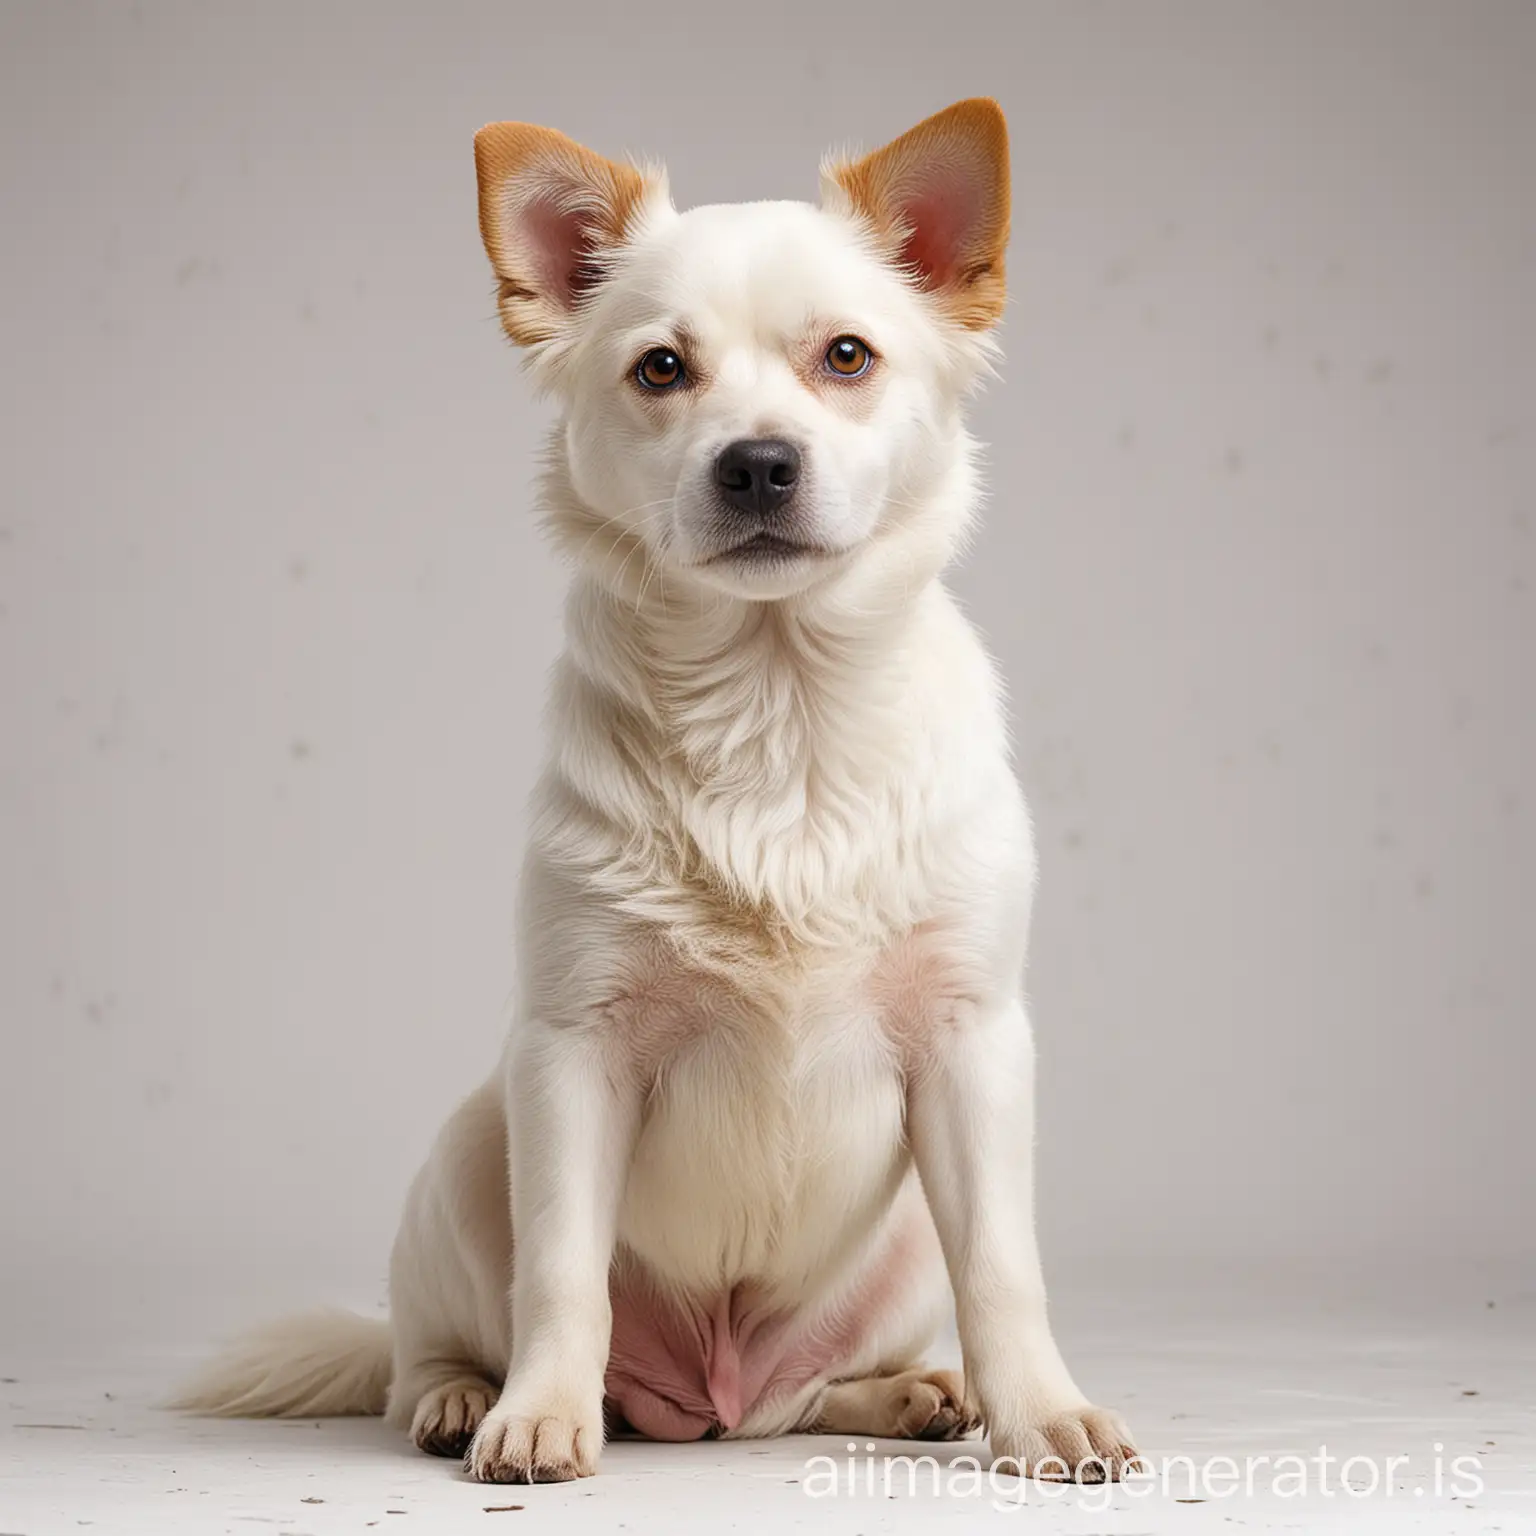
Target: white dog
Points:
(767, 1094)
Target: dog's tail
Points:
(317, 1365)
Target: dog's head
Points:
(756, 395)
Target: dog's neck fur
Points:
(747, 764)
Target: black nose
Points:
(758, 474)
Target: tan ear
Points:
(550, 212)
(939, 198)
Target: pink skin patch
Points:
(678, 1369)
(681, 1368)
(924, 987)
(939, 221)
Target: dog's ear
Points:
(938, 199)
(551, 214)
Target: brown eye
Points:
(660, 368)
(848, 357)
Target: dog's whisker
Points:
(662, 506)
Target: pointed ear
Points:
(551, 212)
(938, 199)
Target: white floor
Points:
(1315, 1367)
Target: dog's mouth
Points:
(769, 547)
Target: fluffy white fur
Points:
(773, 925)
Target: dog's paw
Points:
(553, 1444)
(447, 1417)
(932, 1407)
(1080, 1445)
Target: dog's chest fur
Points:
(772, 1128)
(773, 789)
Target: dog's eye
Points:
(660, 368)
(848, 357)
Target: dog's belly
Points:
(681, 1367)
(759, 1231)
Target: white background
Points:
(274, 616)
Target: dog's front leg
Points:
(971, 1120)
(572, 1114)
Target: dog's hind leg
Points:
(913, 1405)
(448, 1283)
(447, 1414)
